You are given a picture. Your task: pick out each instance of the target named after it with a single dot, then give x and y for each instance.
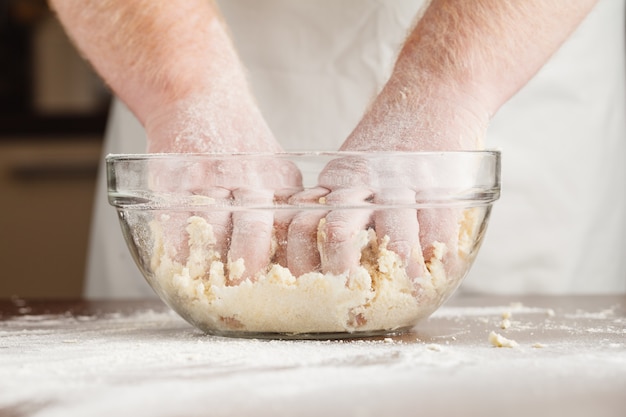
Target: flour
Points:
(377, 296)
(153, 363)
(599, 315)
(483, 313)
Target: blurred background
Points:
(53, 111)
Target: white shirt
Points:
(560, 225)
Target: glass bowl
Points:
(304, 245)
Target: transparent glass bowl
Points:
(304, 245)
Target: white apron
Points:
(560, 225)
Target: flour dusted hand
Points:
(397, 198)
(235, 188)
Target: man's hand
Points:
(461, 62)
(230, 190)
(174, 65)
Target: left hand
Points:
(377, 176)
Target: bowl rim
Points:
(195, 155)
(144, 200)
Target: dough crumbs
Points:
(505, 324)
(208, 290)
(500, 341)
(538, 345)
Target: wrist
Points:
(417, 112)
(211, 122)
(168, 67)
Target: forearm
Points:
(461, 62)
(150, 52)
(174, 65)
(488, 49)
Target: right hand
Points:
(239, 235)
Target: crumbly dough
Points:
(506, 320)
(378, 296)
(498, 340)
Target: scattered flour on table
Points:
(502, 316)
(134, 364)
(599, 315)
(500, 310)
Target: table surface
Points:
(136, 357)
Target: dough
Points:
(506, 320)
(378, 296)
(498, 340)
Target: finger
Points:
(168, 227)
(281, 229)
(439, 233)
(312, 196)
(250, 247)
(302, 253)
(401, 228)
(342, 234)
(218, 216)
(282, 218)
(175, 240)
